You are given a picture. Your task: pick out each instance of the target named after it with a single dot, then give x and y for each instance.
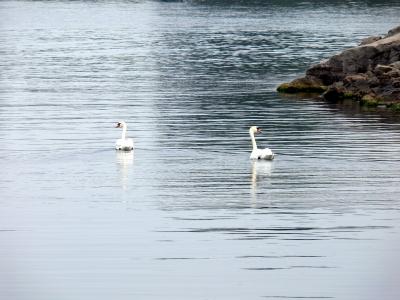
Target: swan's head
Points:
(121, 124)
(255, 130)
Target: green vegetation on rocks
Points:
(302, 85)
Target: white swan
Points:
(125, 144)
(259, 153)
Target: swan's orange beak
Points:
(259, 130)
(118, 125)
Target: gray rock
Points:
(396, 65)
(393, 31)
(369, 71)
(370, 40)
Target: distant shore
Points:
(368, 74)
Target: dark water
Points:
(188, 216)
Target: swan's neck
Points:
(253, 141)
(123, 132)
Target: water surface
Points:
(188, 215)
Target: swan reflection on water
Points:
(260, 169)
(125, 162)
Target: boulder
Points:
(306, 84)
(370, 40)
(369, 73)
(393, 31)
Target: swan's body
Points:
(259, 153)
(124, 143)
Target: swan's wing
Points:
(124, 144)
(129, 142)
(267, 151)
(267, 154)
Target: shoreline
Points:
(368, 74)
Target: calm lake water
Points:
(188, 215)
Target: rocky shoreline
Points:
(368, 73)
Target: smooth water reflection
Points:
(125, 163)
(187, 215)
(260, 171)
